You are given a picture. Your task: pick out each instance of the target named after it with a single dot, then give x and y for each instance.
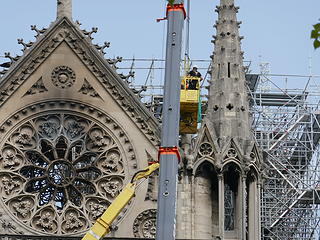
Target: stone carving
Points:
(98, 139)
(23, 207)
(12, 59)
(232, 153)
(111, 186)
(89, 33)
(205, 149)
(112, 162)
(87, 89)
(101, 48)
(9, 184)
(96, 207)
(74, 129)
(9, 227)
(25, 45)
(127, 77)
(110, 83)
(74, 221)
(144, 226)
(38, 32)
(63, 77)
(10, 158)
(49, 129)
(25, 137)
(38, 87)
(46, 220)
(65, 169)
(152, 193)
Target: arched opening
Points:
(231, 190)
(206, 201)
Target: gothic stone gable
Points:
(72, 134)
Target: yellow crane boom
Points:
(103, 223)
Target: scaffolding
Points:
(286, 125)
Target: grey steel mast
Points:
(168, 152)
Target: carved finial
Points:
(89, 34)
(126, 77)
(39, 32)
(25, 45)
(114, 61)
(64, 9)
(101, 48)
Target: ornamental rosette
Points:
(59, 171)
(144, 226)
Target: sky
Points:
(275, 31)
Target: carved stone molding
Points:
(8, 227)
(152, 192)
(61, 165)
(36, 88)
(144, 226)
(110, 80)
(87, 89)
(63, 77)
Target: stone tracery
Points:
(144, 225)
(59, 172)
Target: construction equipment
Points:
(103, 224)
(190, 105)
(169, 156)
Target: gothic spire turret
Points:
(64, 9)
(228, 107)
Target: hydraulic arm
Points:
(103, 224)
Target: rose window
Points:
(206, 149)
(59, 172)
(58, 175)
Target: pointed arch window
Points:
(229, 208)
(231, 177)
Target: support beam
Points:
(285, 134)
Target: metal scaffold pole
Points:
(168, 152)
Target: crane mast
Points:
(169, 156)
(168, 153)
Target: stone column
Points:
(240, 216)
(243, 207)
(64, 9)
(253, 211)
(259, 210)
(221, 206)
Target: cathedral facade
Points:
(72, 134)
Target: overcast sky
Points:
(275, 31)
